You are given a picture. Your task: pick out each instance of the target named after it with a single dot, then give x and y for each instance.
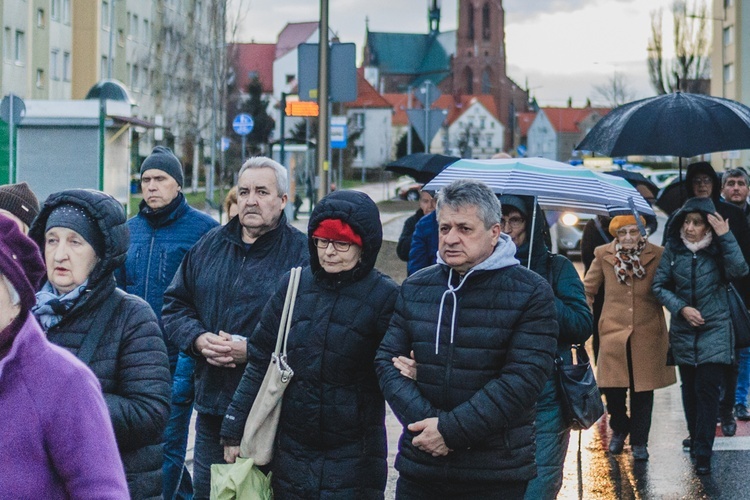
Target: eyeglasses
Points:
(633, 233)
(704, 180)
(514, 222)
(339, 246)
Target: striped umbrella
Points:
(556, 185)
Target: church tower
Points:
(479, 63)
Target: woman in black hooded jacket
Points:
(130, 358)
(331, 440)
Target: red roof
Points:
(524, 121)
(567, 119)
(399, 103)
(292, 35)
(456, 106)
(367, 96)
(253, 59)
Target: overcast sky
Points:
(561, 48)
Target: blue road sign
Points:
(224, 144)
(243, 124)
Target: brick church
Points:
(468, 61)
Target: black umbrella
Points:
(636, 179)
(672, 196)
(423, 167)
(677, 124)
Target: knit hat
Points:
(515, 202)
(621, 221)
(20, 201)
(337, 230)
(20, 262)
(163, 159)
(79, 220)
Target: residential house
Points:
(371, 116)
(555, 132)
(472, 128)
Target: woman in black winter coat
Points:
(701, 255)
(84, 238)
(331, 440)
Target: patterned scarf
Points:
(51, 307)
(628, 262)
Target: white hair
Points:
(15, 299)
(282, 179)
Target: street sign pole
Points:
(323, 99)
(281, 139)
(427, 116)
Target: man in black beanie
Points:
(19, 203)
(165, 228)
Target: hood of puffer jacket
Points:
(110, 219)
(703, 167)
(362, 214)
(540, 233)
(703, 205)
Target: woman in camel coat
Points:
(633, 337)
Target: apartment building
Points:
(168, 53)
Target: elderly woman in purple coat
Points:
(57, 440)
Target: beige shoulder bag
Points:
(263, 420)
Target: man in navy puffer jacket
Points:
(483, 331)
(165, 228)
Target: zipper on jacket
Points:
(449, 361)
(694, 264)
(234, 287)
(148, 265)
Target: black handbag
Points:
(740, 318)
(580, 398)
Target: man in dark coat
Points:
(426, 206)
(734, 190)
(165, 228)
(483, 331)
(215, 299)
(703, 182)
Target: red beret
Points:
(337, 230)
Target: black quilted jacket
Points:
(331, 441)
(131, 358)
(480, 380)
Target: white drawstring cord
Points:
(452, 291)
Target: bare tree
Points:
(690, 68)
(616, 91)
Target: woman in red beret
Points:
(331, 440)
(633, 338)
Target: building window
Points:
(486, 30)
(289, 79)
(486, 82)
(120, 38)
(20, 53)
(146, 33)
(66, 66)
(469, 79)
(728, 35)
(105, 15)
(489, 140)
(40, 78)
(481, 122)
(728, 73)
(103, 69)
(471, 21)
(8, 44)
(66, 11)
(728, 3)
(40, 21)
(135, 78)
(134, 27)
(55, 10)
(54, 68)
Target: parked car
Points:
(409, 192)
(569, 228)
(662, 178)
